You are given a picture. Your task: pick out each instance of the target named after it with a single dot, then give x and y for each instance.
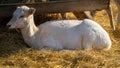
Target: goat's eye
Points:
(22, 16)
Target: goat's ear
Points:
(32, 10)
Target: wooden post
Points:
(110, 14)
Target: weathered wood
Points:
(110, 14)
(118, 6)
(6, 10)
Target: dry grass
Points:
(15, 54)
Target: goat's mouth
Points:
(15, 27)
(10, 26)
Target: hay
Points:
(15, 54)
(10, 41)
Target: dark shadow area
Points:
(11, 41)
(4, 21)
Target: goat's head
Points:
(20, 17)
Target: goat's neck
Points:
(30, 30)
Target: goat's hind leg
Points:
(86, 44)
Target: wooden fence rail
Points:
(57, 6)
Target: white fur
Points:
(62, 34)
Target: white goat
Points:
(62, 34)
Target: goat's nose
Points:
(8, 25)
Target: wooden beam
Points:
(6, 10)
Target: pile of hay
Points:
(14, 53)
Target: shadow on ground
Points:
(11, 41)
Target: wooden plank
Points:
(6, 10)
